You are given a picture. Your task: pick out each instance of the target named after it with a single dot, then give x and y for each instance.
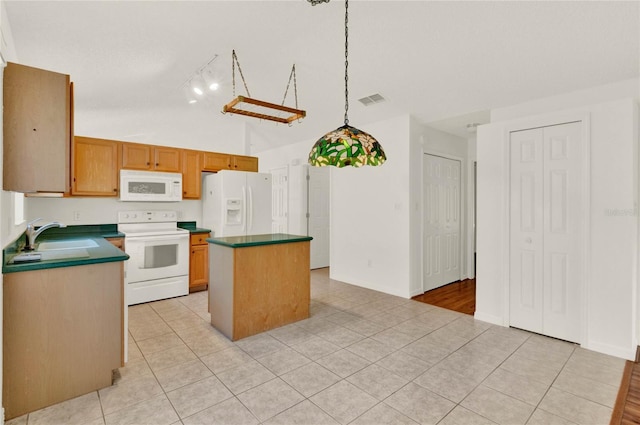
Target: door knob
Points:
(528, 240)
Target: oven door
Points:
(156, 257)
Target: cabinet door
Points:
(199, 266)
(136, 156)
(37, 130)
(166, 159)
(200, 238)
(216, 161)
(95, 167)
(245, 163)
(191, 174)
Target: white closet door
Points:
(525, 278)
(441, 221)
(564, 234)
(546, 238)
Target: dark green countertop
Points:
(192, 228)
(105, 252)
(257, 240)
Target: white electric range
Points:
(158, 266)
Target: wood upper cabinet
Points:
(95, 167)
(37, 121)
(220, 161)
(244, 163)
(191, 174)
(216, 161)
(167, 159)
(199, 262)
(137, 156)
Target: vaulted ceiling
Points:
(441, 61)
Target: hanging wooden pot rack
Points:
(246, 105)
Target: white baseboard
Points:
(368, 285)
(489, 318)
(1, 415)
(625, 353)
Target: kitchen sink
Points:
(73, 244)
(64, 253)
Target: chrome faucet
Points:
(32, 233)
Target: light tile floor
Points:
(362, 358)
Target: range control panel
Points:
(147, 216)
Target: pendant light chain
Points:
(346, 62)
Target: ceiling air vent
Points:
(370, 100)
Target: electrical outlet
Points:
(369, 263)
(76, 216)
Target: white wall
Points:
(102, 210)
(370, 220)
(610, 289)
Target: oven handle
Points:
(155, 238)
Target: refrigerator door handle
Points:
(250, 211)
(244, 208)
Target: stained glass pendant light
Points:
(346, 145)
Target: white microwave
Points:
(150, 186)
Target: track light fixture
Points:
(203, 81)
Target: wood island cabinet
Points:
(199, 262)
(137, 156)
(261, 282)
(219, 161)
(191, 174)
(37, 123)
(95, 167)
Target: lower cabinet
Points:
(199, 262)
(63, 333)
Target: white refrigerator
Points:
(237, 203)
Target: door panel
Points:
(563, 236)
(546, 230)
(526, 230)
(441, 221)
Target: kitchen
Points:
(384, 265)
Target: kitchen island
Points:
(258, 282)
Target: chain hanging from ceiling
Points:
(245, 105)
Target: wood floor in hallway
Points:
(457, 296)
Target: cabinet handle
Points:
(157, 164)
(115, 190)
(148, 163)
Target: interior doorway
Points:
(318, 214)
